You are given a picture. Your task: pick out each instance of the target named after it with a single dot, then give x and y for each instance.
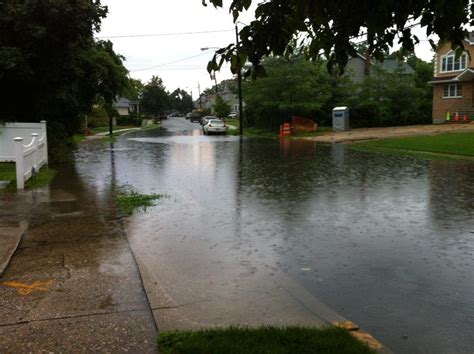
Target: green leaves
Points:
(333, 25)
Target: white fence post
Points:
(43, 122)
(35, 151)
(19, 162)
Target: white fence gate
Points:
(28, 158)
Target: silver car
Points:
(214, 126)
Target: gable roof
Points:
(123, 102)
(391, 65)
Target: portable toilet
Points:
(340, 118)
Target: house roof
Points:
(391, 65)
(123, 102)
(465, 75)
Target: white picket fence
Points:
(28, 158)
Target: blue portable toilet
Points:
(340, 118)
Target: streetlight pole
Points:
(239, 81)
(200, 99)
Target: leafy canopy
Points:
(52, 68)
(221, 107)
(327, 26)
(155, 98)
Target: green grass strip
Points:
(129, 201)
(274, 340)
(8, 173)
(445, 146)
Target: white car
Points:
(233, 115)
(215, 126)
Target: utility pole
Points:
(239, 80)
(215, 82)
(200, 99)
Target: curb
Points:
(13, 236)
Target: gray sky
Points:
(147, 56)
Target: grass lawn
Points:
(77, 138)
(435, 146)
(8, 173)
(262, 340)
(265, 133)
(106, 128)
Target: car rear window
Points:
(216, 122)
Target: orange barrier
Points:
(301, 124)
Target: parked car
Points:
(214, 126)
(232, 115)
(195, 117)
(206, 119)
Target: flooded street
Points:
(253, 228)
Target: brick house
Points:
(453, 82)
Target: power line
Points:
(163, 34)
(171, 62)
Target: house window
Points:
(451, 63)
(452, 90)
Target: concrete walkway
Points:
(390, 132)
(73, 284)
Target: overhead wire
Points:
(169, 63)
(163, 34)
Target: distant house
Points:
(226, 90)
(125, 107)
(358, 68)
(453, 82)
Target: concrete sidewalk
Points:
(390, 132)
(73, 284)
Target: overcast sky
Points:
(165, 56)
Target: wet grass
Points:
(262, 340)
(106, 128)
(129, 201)
(78, 138)
(254, 132)
(266, 133)
(8, 173)
(435, 147)
(317, 132)
(43, 178)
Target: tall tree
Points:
(51, 68)
(181, 101)
(221, 107)
(134, 90)
(282, 26)
(155, 98)
(291, 87)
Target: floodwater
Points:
(387, 242)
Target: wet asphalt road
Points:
(387, 242)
